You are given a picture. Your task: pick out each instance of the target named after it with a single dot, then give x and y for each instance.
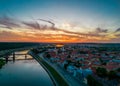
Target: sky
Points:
(69, 21)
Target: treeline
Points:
(13, 45)
(1, 63)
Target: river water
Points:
(24, 73)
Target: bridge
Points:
(13, 55)
(6, 53)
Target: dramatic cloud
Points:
(53, 24)
(117, 30)
(6, 34)
(33, 25)
(43, 32)
(99, 30)
(9, 36)
(6, 22)
(117, 35)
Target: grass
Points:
(60, 81)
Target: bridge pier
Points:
(25, 56)
(6, 59)
(14, 57)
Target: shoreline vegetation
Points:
(54, 75)
(2, 63)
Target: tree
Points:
(102, 62)
(118, 69)
(1, 63)
(48, 55)
(65, 66)
(112, 75)
(102, 72)
(92, 82)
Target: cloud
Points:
(53, 24)
(99, 30)
(96, 33)
(6, 22)
(11, 36)
(8, 36)
(33, 25)
(117, 35)
(10, 23)
(117, 30)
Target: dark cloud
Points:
(6, 22)
(33, 25)
(37, 26)
(99, 30)
(81, 34)
(117, 30)
(53, 24)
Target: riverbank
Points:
(67, 76)
(2, 63)
(57, 79)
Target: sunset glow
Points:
(60, 21)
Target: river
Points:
(24, 73)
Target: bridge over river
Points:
(12, 52)
(23, 72)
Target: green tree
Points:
(2, 63)
(92, 82)
(48, 55)
(118, 69)
(65, 66)
(112, 75)
(102, 72)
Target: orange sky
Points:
(59, 36)
(12, 30)
(60, 21)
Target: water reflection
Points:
(24, 73)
